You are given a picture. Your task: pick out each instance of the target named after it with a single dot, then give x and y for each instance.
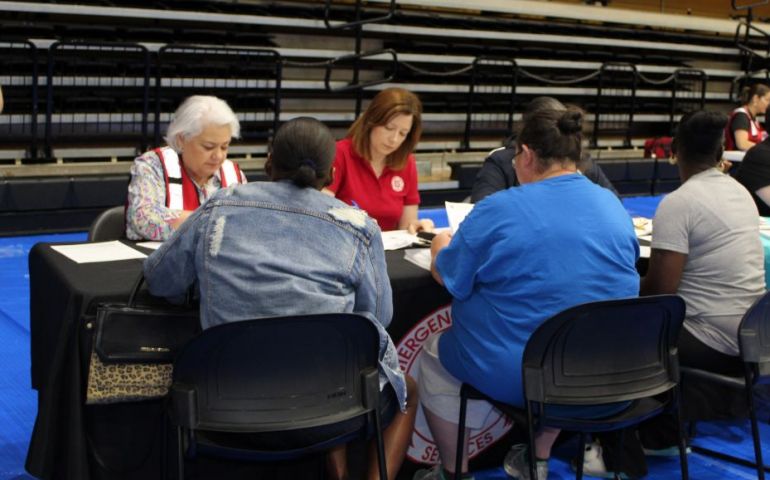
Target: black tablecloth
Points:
(69, 440)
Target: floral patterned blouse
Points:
(147, 217)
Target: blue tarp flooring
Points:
(18, 400)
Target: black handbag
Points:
(134, 347)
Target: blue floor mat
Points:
(18, 402)
(733, 438)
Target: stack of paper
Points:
(150, 245)
(98, 252)
(396, 239)
(456, 213)
(418, 256)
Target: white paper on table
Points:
(733, 155)
(764, 225)
(418, 256)
(644, 251)
(642, 226)
(396, 239)
(456, 213)
(98, 252)
(150, 245)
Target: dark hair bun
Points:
(303, 151)
(571, 122)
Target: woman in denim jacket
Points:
(285, 248)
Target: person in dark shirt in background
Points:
(497, 172)
(754, 174)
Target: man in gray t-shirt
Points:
(713, 220)
(705, 248)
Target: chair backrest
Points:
(754, 334)
(109, 225)
(604, 352)
(276, 374)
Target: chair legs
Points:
(381, 461)
(581, 454)
(754, 426)
(681, 436)
(758, 463)
(531, 434)
(461, 434)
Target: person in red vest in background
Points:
(169, 183)
(743, 131)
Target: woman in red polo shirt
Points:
(374, 168)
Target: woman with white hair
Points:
(169, 183)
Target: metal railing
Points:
(19, 122)
(491, 98)
(688, 94)
(615, 101)
(753, 59)
(358, 9)
(248, 79)
(482, 95)
(96, 89)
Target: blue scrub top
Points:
(521, 256)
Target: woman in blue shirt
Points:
(521, 256)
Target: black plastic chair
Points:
(278, 376)
(109, 225)
(754, 344)
(593, 354)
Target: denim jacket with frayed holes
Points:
(273, 249)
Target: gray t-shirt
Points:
(713, 220)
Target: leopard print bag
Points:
(126, 382)
(134, 347)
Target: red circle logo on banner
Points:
(422, 448)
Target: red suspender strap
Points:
(159, 153)
(189, 190)
(230, 174)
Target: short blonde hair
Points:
(197, 112)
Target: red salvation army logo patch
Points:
(397, 183)
(422, 448)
